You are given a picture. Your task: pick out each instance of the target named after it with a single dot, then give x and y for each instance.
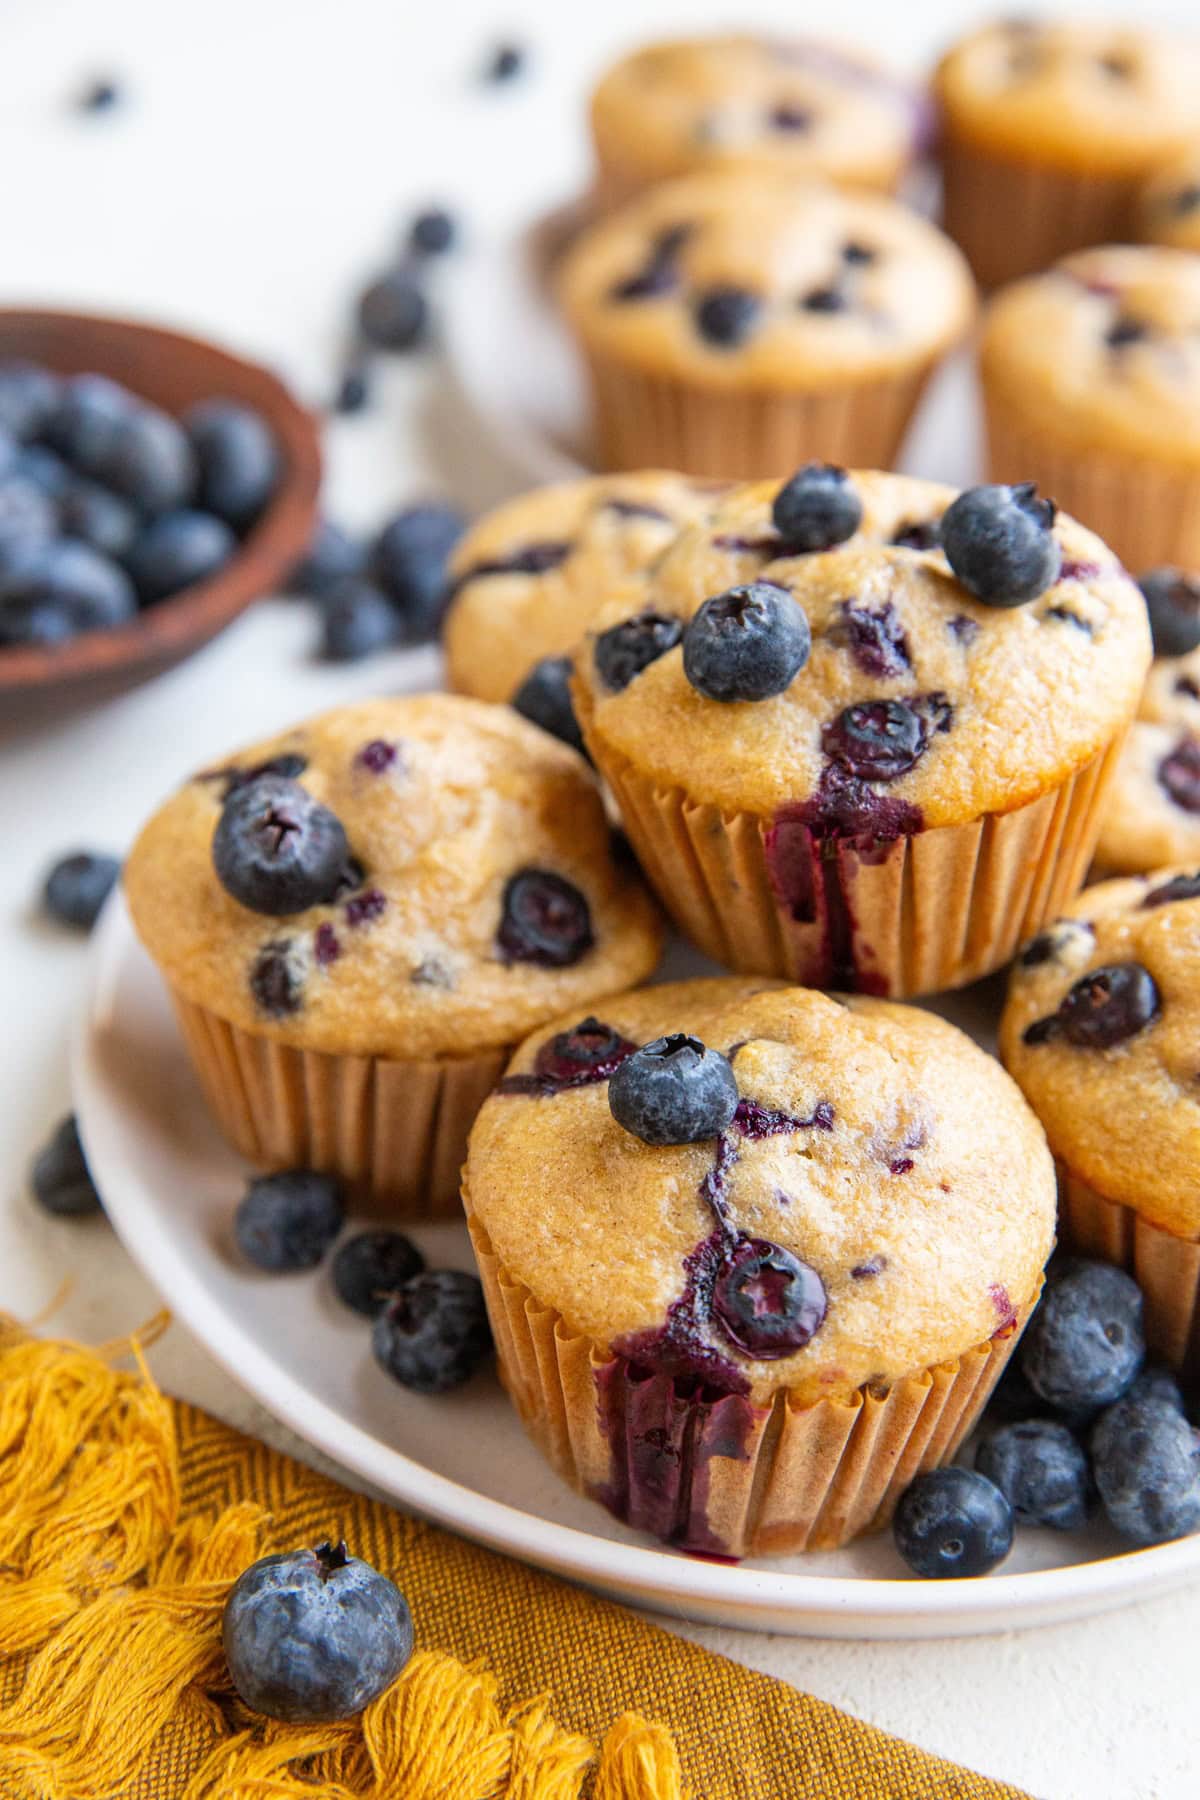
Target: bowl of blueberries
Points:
(151, 486)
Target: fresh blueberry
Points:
(746, 644)
(28, 398)
(1104, 1007)
(1173, 603)
(149, 462)
(1146, 1460)
(332, 556)
(99, 96)
(1000, 543)
(9, 453)
(87, 416)
(506, 62)
(237, 459)
(98, 517)
(817, 508)
(356, 621)
(59, 1177)
(545, 698)
(1156, 1386)
(1084, 1344)
(311, 1636)
(27, 515)
(77, 886)
(47, 470)
(393, 313)
(177, 551)
(353, 392)
(766, 1301)
(37, 624)
(544, 920)
(876, 740)
(674, 1090)
(91, 591)
(369, 1268)
(434, 1332)
(624, 650)
(953, 1522)
(287, 1222)
(276, 849)
(408, 560)
(725, 316)
(1041, 1469)
(433, 232)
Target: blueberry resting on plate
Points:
(1041, 1468)
(288, 1221)
(77, 886)
(1084, 1346)
(369, 1267)
(953, 1522)
(434, 1332)
(1146, 1459)
(59, 1177)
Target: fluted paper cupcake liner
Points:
(395, 1133)
(904, 916)
(1165, 1267)
(645, 421)
(716, 1474)
(1014, 218)
(1147, 511)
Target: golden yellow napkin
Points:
(124, 1518)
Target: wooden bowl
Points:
(171, 371)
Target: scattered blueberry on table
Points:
(433, 232)
(332, 555)
(357, 621)
(60, 1179)
(100, 95)
(77, 886)
(505, 63)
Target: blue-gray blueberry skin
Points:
(1146, 1459)
(312, 1636)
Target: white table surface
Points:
(265, 163)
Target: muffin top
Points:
(1168, 207)
(1101, 1031)
(759, 103)
(1105, 349)
(873, 1142)
(463, 892)
(1107, 99)
(918, 705)
(527, 578)
(1152, 809)
(735, 280)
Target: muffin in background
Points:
(1048, 129)
(835, 761)
(752, 1341)
(357, 919)
(760, 105)
(1091, 380)
(734, 324)
(1168, 204)
(528, 577)
(1100, 1031)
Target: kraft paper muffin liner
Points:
(1147, 511)
(394, 1132)
(1165, 1267)
(645, 421)
(716, 1474)
(1013, 218)
(906, 916)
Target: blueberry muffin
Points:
(734, 323)
(781, 1248)
(1168, 205)
(358, 918)
(1091, 376)
(861, 729)
(1048, 130)
(1100, 1031)
(760, 105)
(527, 578)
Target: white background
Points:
(265, 163)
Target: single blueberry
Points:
(393, 313)
(725, 316)
(766, 1300)
(91, 590)
(1173, 603)
(1000, 543)
(28, 398)
(331, 557)
(545, 698)
(38, 624)
(277, 850)
(98, 517)
(876, 740)
(1084, 1344)
(816, 508)
(369, 1267)
(101, 95)
(746, 644)
(59, 1176)
(674, 1090)
(89, 411)
(356, 621)
(237, 460)
(311, 1636)
(624, 650)
(148, 461)
(408, 559)
(77, 886)
(433, 1333)
(288, 1221)
(1041, 1469)
(432, 232)
(1155, 1386)
(1103, 1008)
(27, 514)
(1146, 1460)
(505, 63)
(177, 551)
(47, 470)
(353, 392)
(953, 1522)
(544, 919)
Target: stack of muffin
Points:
(756, 1248)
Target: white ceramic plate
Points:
(170, 1186)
